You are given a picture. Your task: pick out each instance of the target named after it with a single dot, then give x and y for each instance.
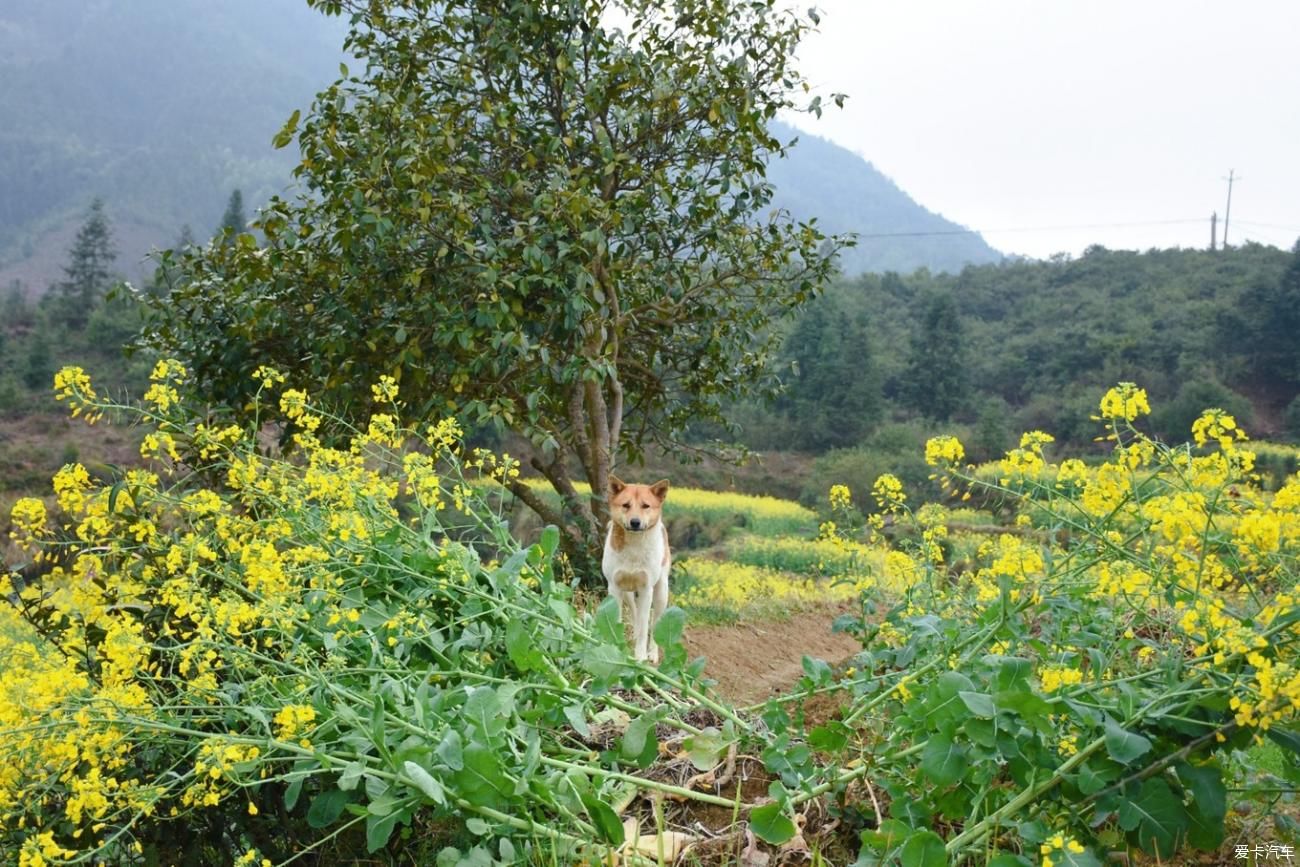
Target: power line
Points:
(1268, 225)
(1029, 229)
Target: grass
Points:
(763, 515)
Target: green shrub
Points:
(1173, 422)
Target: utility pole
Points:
(1214, 224)
(1227, 214)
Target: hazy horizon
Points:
(1032, 117)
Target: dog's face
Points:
(637, 507)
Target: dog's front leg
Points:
(641, 625)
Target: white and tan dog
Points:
(637, 559)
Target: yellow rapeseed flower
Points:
(1125, 401)
(944, 449)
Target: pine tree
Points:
(87, 274)
(934, 383)
(233, 221)
(834, 398)
(38, 365)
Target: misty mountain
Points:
(159, 106)
(162, 107)
(848, 194)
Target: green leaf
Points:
(924, 849)
(291, 794)
(384, 804)
(668, 635)
(577, 718)
(639, 742)
(484, 708)
(285, 135)
(603, 817)
(1089, 780)
(1032, 708)
(424, 781)
(1285, 738)
(1208, 807)
(770, 824)
(603, 660)
(450, 750)
(1124, 746)
(550, 539)
(475, 825)
(1205, 782)
(831, 737)
(480, 781)
(1156, 816)
(379, 829)
(608, 626)
(816, 670)
(351, 776)
(942, 702)
(1013, 672)
(887, 835)
(705, 749)
(326, 808)
(519, 645)
(942, 760)
(979, 704)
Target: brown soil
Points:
(754, 661)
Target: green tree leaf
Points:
(285, 135)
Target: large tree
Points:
(935, 379)
(551, 216)
(88, 274)
(833, 394)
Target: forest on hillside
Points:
(1025, 344)
(874, 365)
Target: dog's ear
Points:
(616, 485)
(660, 489)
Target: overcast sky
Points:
(1032, 114)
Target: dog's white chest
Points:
(639, 564)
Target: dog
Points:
(637, 558)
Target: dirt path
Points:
(752, 661)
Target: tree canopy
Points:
(549, 217)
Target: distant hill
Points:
(163, 106)
(848, 194)
(159, 106)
